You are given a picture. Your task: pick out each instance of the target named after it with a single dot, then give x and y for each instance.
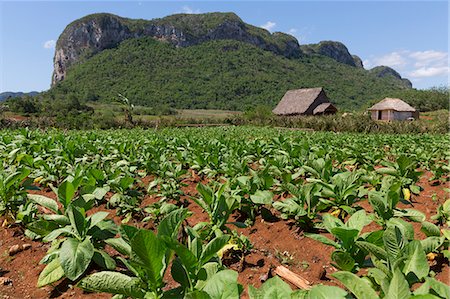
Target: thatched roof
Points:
(392, 104)
(297, 101)
(322, 107)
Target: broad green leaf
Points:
(438, 287)
(180, 274)
(343, 260)
(331, 222)
(102, 259)
(51, 273)
(66, 191)
(60, 219)
(378, 275)
(16, 177)
(42, 227)
(184, 254)
(394, 242)
(322, 239)
(398, 287)
(75, 257)
(205, 273)
(77, 219)
(262, 197)
(223, 285)
(387, 170)
(417, 261)
(100, 192)
(346, 235)
(213, 247)
(326, 292)
(429, 229)
(196, 294)
(120, 245)
(405, 228)
(358, 220)
(372, 249)
(113, 283)
(128, 232)
(358, 286)
(273, 288)
(413, 215)
(424, 296)
(431, 244)
(169, 226)
(378, 203)
(44, 201)
(206, 192)
(149, 251)
(57, 232)
(94, 219)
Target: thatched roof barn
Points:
(393, 109)
(305, 101)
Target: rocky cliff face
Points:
(385, 71)
(358, 62)
(335, 50)
(84, 37)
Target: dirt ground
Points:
(275, 242)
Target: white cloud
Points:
(413, 64)
(430, 72)
(269, 25)
(429, 55)
(394, 59)
(50, 44)
(292, 31)
(367, 63)
(190, 10)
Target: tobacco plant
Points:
(399, 262)
(275, 288)
(384, 204)
(347, 255)
(149, 257)
(13, 191)
(340, 193)
(303, 206)
(219, 203)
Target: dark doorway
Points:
(379, 113)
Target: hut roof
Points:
(297, 101)
(322, 107)
(392, 104)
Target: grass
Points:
(206, 113)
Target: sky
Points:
(409, 36)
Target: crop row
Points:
(320, 178)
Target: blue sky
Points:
(411, 37)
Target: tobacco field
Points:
(215, 212)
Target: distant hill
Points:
(213, 61)
(9, 94)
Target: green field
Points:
(89, 195)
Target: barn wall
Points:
(385, 114)
(321, 98)
(402, 115)
(374, 114)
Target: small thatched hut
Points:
(305, 101)
(393, 109)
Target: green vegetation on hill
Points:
(220, 74)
